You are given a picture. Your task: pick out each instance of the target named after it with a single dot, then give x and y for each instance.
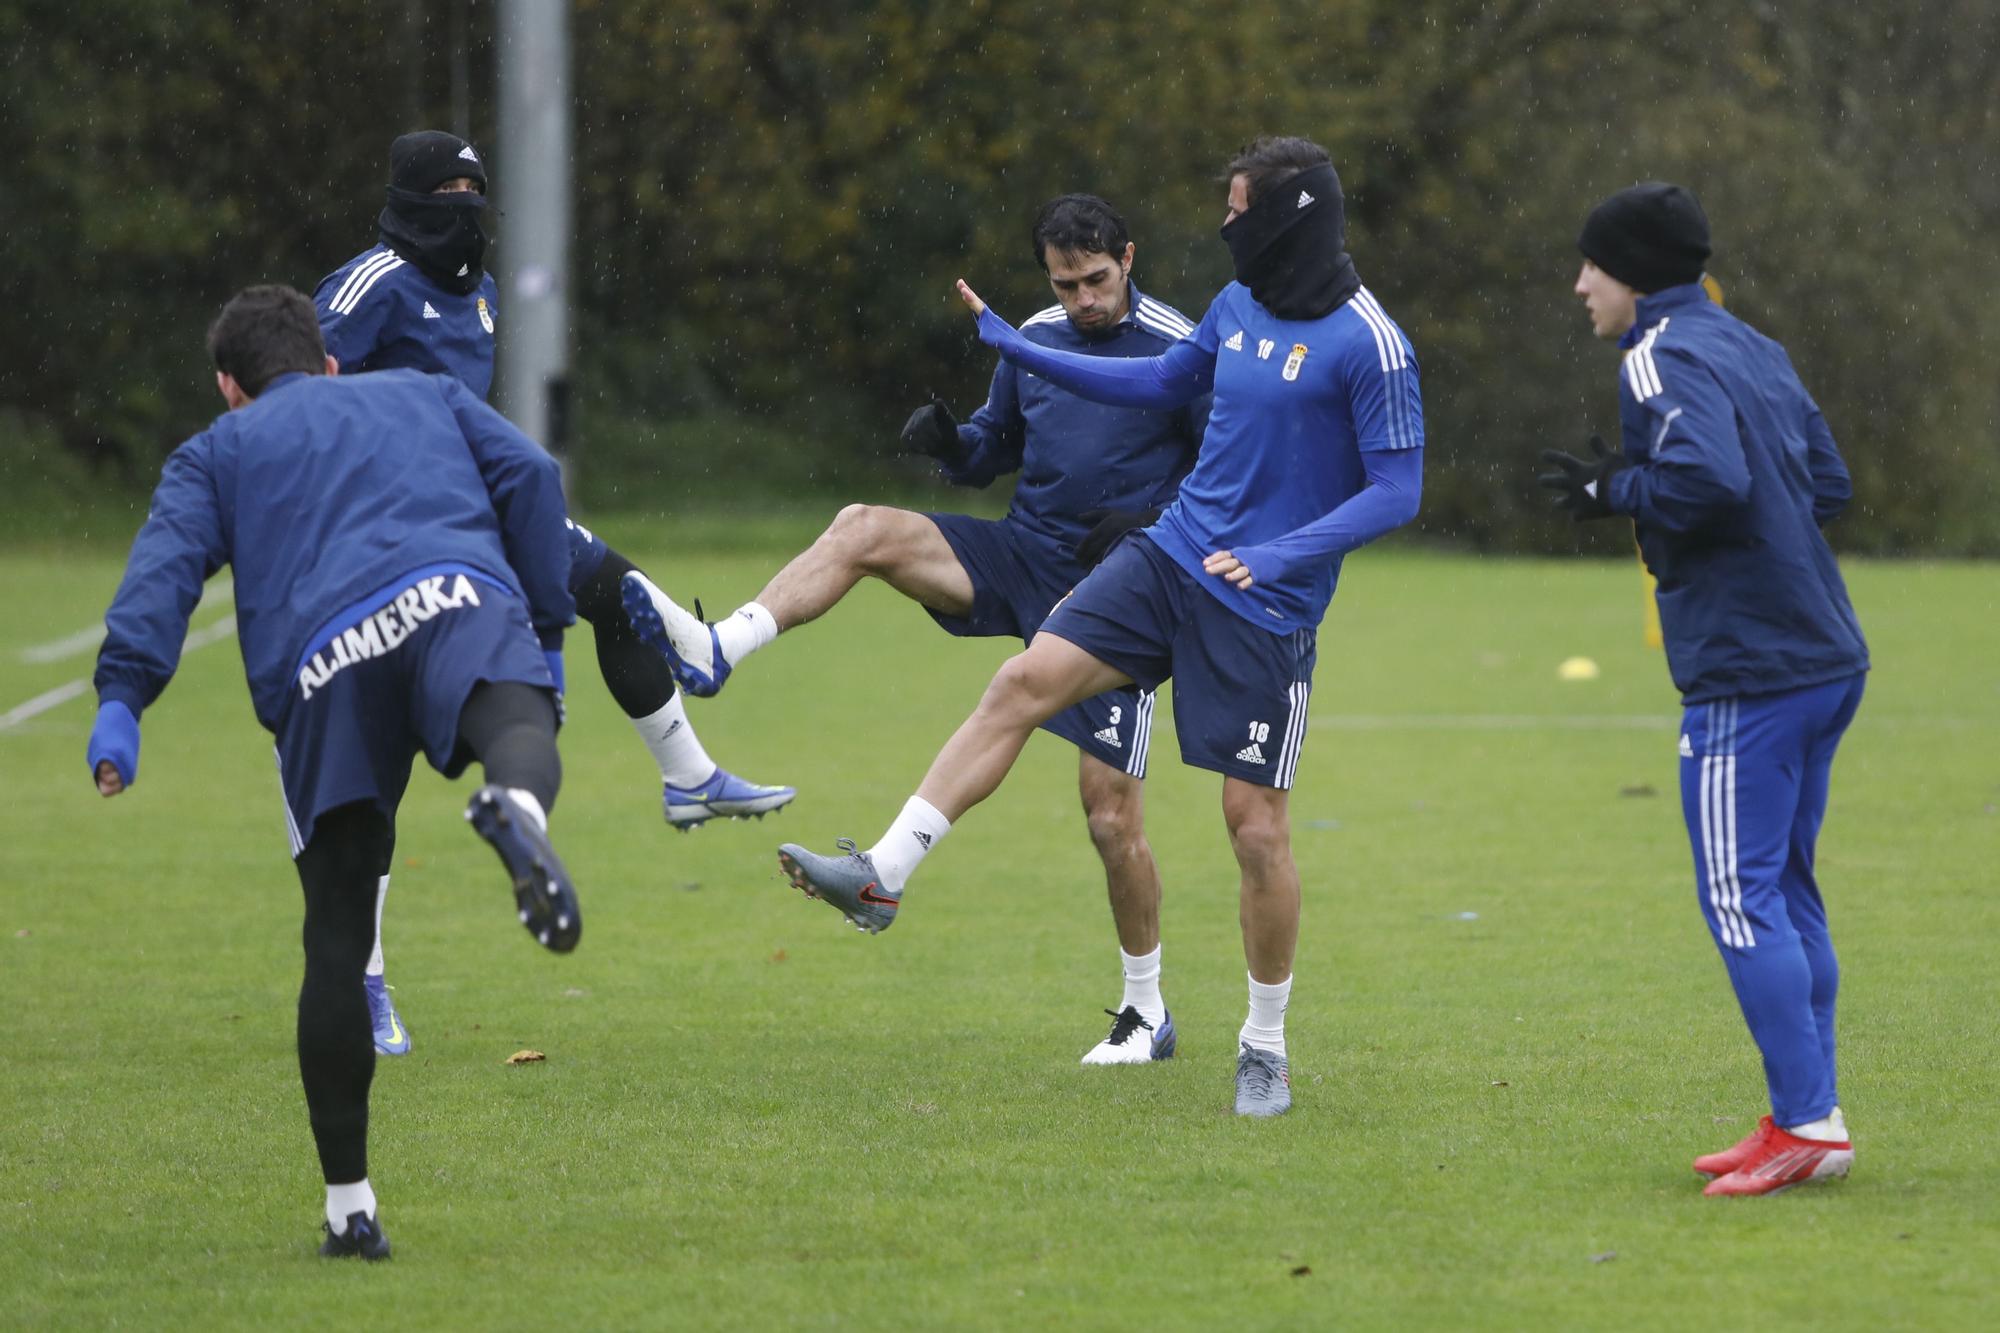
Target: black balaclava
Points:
(439, 233)
(1649, 236)
(1290, 246)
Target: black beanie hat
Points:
(1649, 236)
(426, 159)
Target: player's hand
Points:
(114, 748)
(971, 299)
(933, 432)
(1226, 566)
(1583, 485)
(1107, 526)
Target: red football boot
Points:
(1783, 1160)
(1722, 1163)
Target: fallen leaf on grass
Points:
(525, 1057)
(1606, 1257)
(779, 956)
(22, 934)
(1303, 1270)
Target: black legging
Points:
(511, 729)
(637, 676)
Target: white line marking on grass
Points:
(42, 703)
(220, 592)
(1495, 722)
(63, 693)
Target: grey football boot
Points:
(1263, 1082)
(847, 883)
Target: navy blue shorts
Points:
(586, 553)
(1016, 577)
(392, 686)
(1240, 692)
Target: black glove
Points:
(1583, 485)
(1108, 525)
(931, 431)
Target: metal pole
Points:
(532, 180)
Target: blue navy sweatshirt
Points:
(379, 312)
(1073, 454)
(322, 492)
(1733, 471)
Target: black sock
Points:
(339, 868)
(511, 729)
(637, 676)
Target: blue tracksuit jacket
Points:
(1734, 471)
(321, 493)
(379, 312)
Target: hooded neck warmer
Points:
(1290, 247)
(439, 233)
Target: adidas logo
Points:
(430, 311)
(1235, 343)
(1250, 754)
(1109, 736)
(923, 838)
(1305, 200)
(1687, 747)
(467, 153)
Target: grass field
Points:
(1509, 1030)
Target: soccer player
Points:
(1729, 471)
(399, 560)
(1314, 447)
(1088, 474)
(421, 299)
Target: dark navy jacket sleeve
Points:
(1182, 373)
(996, 435)
(352, 336)
(1692, 470)
(1832, 487)
(525, 484)
(181, 544)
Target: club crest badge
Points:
(486, 319)
(1295, 360)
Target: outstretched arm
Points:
(1179, 375)
(181, 544)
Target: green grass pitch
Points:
(1509, 1030)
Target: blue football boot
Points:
(689, 643)
(363, 1237)
(723, 796)
(545, 898)
(391, 1037)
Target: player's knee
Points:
(1114, 816)
(857, 533)
(1259, 833)
(1017, 693)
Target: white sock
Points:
(1142, 985)
(1265, 1028)
(907, 842)
(675, 747)
(1829, 1128)
(747, 629)
(381, 896)
(344, 1199)
(526, 800)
